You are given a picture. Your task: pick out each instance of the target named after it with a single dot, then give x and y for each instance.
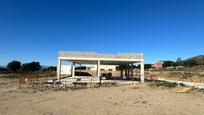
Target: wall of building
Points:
(102, 67)
(157, 65)
(66, 69)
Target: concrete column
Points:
(142, 71)
(73, 69)
(58, 69)
(98, 70)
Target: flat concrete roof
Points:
(105, 59)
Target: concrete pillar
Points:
(98, 70)
(58, 69)
(73, 69)
(142, 71)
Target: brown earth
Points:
(121, 100)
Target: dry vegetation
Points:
(195, 74)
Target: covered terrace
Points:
(101, 59)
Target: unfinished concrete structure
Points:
(101, 59)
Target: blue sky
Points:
(35, 30)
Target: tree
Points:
(179, 61)
(190, 63)
(121, 68)
(51, 68)
(138, 66)
(169, 64)
(147, 66)
(3, 69)
(124, 67)
(14, 66)
(30, 67)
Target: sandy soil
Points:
(120, 100)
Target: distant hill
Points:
(44, 67)
(189, 62)
(199, 59)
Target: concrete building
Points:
(92, 58)
(158, 65)
(65, 69)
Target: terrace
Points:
(101, 59)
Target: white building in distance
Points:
(102, 67)
(66, 69)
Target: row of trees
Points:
(146, 66)
(17, 67)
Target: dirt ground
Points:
(121, 100)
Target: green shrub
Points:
(163, 84)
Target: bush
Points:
(190, 63)
(147, 66)
(3, 70)
(169, 64)
(14, 66)
(30, 67)
(163, 84)
(51, 68)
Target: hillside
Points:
(199, 59)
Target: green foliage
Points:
(182, 85)
(194, 61)
(14, 66)
(120, 67)
(179, 62)
(190, 63)
(30, 67)
(169, 64)
(51, 68)
(3, 69)
(147, 66)
(163, 84)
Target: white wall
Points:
(66, 69)
(105, 67)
